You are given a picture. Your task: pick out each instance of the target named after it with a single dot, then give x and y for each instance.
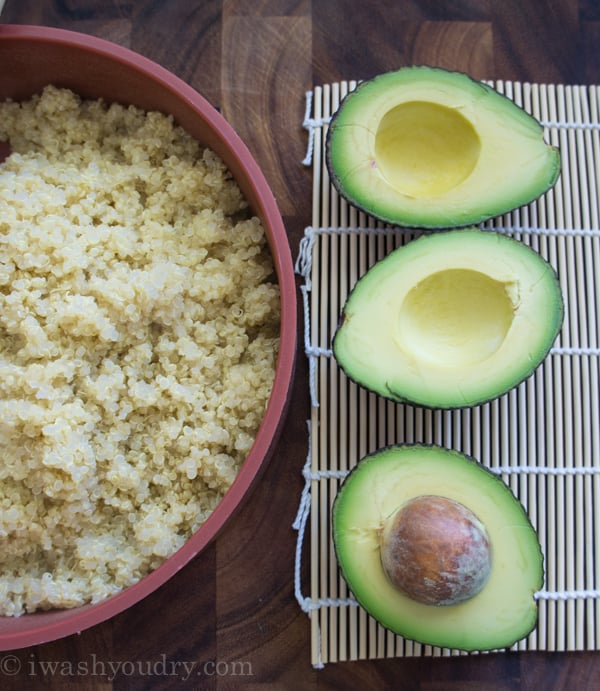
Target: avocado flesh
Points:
(503, 612)
(425, 147)
(450, 320)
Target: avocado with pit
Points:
(452, 319)
(426, 147)
(437, 548)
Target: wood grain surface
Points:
(232, 612)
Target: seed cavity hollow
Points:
(424, 149)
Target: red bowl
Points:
(32, 57)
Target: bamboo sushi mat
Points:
(542, 437)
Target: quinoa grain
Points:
(139, 321)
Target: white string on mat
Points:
(567, 595)
(574, 350)
(582, 232)
(312, 356)
(313, 351)
(310, 124)
(571, 125)
(308, 604)
(311, 231)
(303, 265)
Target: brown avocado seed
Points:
(436, 551)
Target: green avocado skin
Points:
(469, 629)
(470, 209)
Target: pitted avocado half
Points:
(425, 147)
(450, 320)
(437, 548)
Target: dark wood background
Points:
(254, 59)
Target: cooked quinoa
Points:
(139, 321)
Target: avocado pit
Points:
(436, 551)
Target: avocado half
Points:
(450, 320)
(503, 611)
(426, 147)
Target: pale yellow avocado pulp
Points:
(503, 612)
(425, 147)
(450, 320)
(457, 316)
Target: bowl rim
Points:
(25, 631)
